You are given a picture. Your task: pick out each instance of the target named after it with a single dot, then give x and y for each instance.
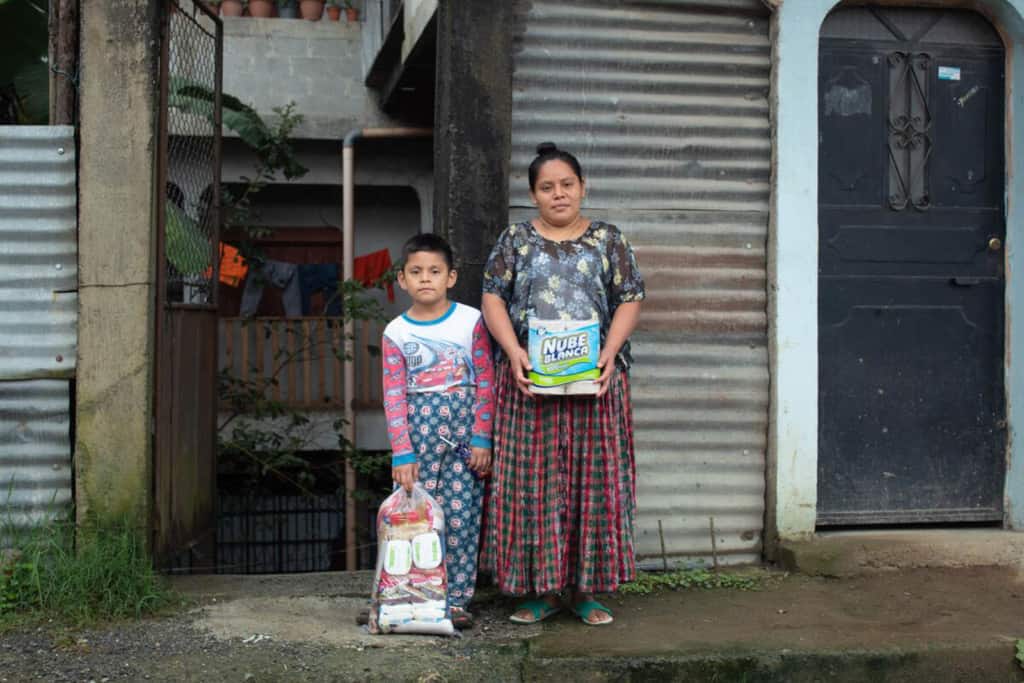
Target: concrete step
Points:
(850, 553)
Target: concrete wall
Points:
(318, 65)
(117, 184)
(416, 16)
(794, 260)
(392, 163)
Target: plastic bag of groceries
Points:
(410, 589)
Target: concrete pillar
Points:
(472, 132)
(117, 236)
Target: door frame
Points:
(792, 486)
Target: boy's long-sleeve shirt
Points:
(451, 353)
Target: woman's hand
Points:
(519, 359)
(623, 323)
(606, 364)
(406, 475)
(480, 460)
(500, 326)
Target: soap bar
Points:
(563, 351)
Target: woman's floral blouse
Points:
(579, 279)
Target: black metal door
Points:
(911, 227)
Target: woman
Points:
(563, 493)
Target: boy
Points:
(438, 393)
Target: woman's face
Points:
(558, 193)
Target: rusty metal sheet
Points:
(35, 450)
(666, 106)
(38, 252)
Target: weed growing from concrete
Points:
(1020, 652)
(683, 579)
(102, 572)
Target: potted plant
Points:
(286, 9)
(311, 9)
(232, 8)
(261, 9)
(334, 10)
(351, 12)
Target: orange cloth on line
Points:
(369, 269)
(232, 266)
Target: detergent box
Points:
(564, 356)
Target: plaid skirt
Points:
(563, 491)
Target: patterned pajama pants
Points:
(447, 478)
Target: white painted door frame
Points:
(793, 261)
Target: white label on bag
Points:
(397, 557)
(426, 551)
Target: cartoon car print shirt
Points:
(451, 353)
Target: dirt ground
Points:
(301, 628)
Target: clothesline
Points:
(298, 282)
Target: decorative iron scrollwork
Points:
(910, 122)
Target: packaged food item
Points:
(410, 589)
(564, 355)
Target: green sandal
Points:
(583, 610)
(540, 609)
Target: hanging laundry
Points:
(277, 274)
(320, 278)
(369, 269)
(232, 266)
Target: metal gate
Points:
(666, 104)
(186, 347)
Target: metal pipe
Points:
(348, 191)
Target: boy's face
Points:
(426, 277)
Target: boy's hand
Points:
(406, 475)
(480, 460)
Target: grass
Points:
(106, 575)
(683, 579)
(1020, 652)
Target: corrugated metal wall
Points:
(35, 449)
(38, 316)
(38, 252)
(666, 104)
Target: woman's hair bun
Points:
(546, 148)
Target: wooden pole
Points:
(664, 556)
(65, 83)
(53, 31)
(714, 543)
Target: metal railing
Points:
(298, 359)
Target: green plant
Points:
(255, 453)
(1020, 652)
(102, 572)
(684, 579)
